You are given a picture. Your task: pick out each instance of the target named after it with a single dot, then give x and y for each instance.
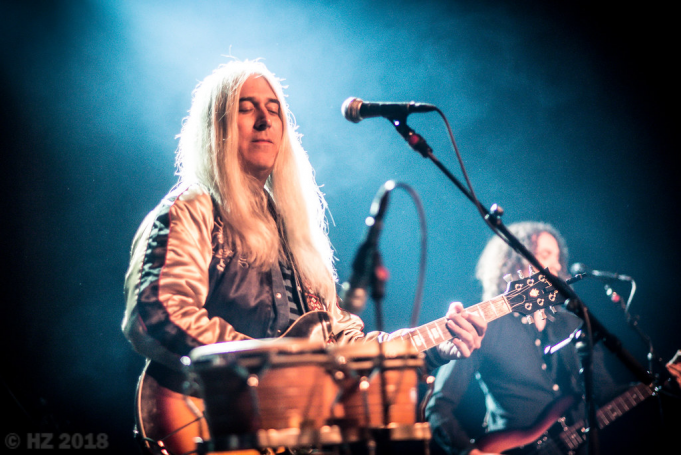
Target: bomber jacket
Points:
(185, 287)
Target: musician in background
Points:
(239, 249)
(518, 381)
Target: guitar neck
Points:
(606, 414)
(573, 437)
(430, 335)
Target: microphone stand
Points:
(378, 280)
(632, 321)
(595, 331)
(378, 275)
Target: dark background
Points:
(562, 114)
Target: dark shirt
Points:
(518, 380)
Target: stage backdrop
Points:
(561, 114)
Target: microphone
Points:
(354, 294)
(356, 110)
(579, 268)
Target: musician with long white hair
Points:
(239, 248)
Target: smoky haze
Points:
(561, 114)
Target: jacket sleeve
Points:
(451, 383)
(167, 282)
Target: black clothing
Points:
(518, 380)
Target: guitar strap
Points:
(564, 364)
(297, 302)
(552, 361)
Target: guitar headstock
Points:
(529, 294)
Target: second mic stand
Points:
(653, 358)
(594, 329)
(378, 280)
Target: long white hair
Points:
(208, 155)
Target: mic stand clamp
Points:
(414, 140)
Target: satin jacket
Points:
(186, 288)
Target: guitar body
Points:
(527, 440)
(170, 422)
(550, 436)
(313, 326)
(167, 419)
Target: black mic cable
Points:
(367, 262)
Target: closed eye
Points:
(273, 107)
(245, 106)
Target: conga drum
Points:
(378, 394)
(265, 393)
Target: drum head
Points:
(395, 353)
(396, 348)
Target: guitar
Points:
(550, 435)
(169, 421)
(525, 296)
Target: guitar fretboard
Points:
(623, 403)
(430, 335)
(573, 437)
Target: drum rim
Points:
(256, 347)
(395, 348)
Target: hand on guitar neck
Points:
(468, 330)
(468, 326)
(462, 331)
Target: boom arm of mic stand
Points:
(574, 305)
(419, 144)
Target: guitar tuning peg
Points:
(542, 314)
(553, 310)
(528, 320)
(531, 270)
(520, 274)
(508, 278)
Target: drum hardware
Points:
(429, 380)
(264, 395)
(377, 393)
